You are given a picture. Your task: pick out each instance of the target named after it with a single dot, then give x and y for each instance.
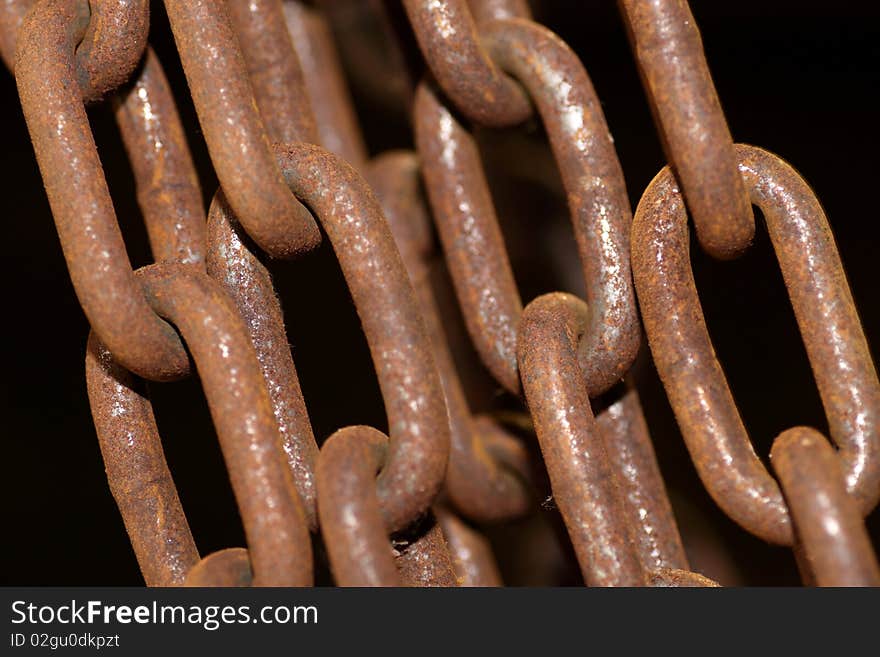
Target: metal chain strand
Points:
(691, 374)
(268, 82)
(386, 303)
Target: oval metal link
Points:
(677, 81)
(84, 217)
(693, 378)
(598, 203)
(448, 38)
(479, 484)
(389, 313)
(271, 511)
(827, 521)
(593, 180)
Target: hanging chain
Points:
(406, 507)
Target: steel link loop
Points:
(271, 511)
(597, 197)
(581, 474)
(694, 380)
(480, 484)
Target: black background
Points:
(797, 78)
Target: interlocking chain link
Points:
(403, 508)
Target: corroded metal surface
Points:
(448, 37)
(669, 52)
(416, 507)
(826, 518)
(694, 380)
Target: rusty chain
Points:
(407, 507)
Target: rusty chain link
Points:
(416, 505)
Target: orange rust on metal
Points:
(234, 130)
(422, 557)
(137, 473)
(386, 303)
(471, 553)
(675, 578)
(693, 378)
(648, 511)
(229, 567)
(351, 521)
(593, 180)
(239, 271)
(479, 485)
(325, 85)
(581, 475)
(449, 40)
(77, 191)
(12, 13)
(271, 511)
(598, 202)
(669, 52)
(112, 46)
(167, 185)
(827, 520)
(473, 246)
(274, 69)
(485, 11)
